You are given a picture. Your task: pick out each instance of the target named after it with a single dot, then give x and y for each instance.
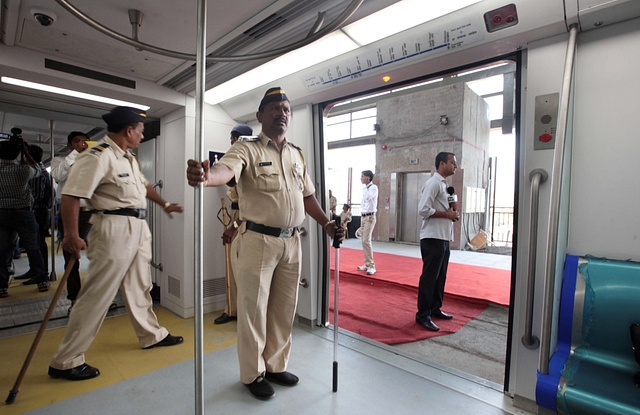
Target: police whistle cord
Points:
(336, 293)
(54, 301)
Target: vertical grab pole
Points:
(554, 204)
(199, 206)
(52, 275)
(336, 293)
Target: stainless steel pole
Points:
(52, 276)
(201, 46)
(554, 204)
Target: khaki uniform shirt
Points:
(271, 185)
(108, 177)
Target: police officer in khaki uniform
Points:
(108, 176)
(274, 192)
(229, 313)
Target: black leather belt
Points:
(368, 214)
(234, 206)
(268, 230)
(136, 213)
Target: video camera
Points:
(16, 137)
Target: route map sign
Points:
(431, 43)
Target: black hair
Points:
(36, 153)
(74, 134)
(8, 150)
(119, 128)
(348, 206)
(369, 174)
(442, 157)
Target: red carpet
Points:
(386, 311)
(382, 307)
(469, 281)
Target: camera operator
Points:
(15, 208)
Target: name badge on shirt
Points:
(123, 175)
(264, 163)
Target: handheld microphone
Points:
(452, 199)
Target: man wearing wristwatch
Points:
(275, 193)
(229, 313)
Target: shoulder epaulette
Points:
(248, 138)
(97, 150)
(304, 162)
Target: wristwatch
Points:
(235, 224)
(166, 205)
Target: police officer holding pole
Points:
(108, 176)
(274, 192)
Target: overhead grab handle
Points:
(536, 177)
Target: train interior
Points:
(536, 98)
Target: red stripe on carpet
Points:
(386, 311)
(469, 281)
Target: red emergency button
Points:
(545, 137)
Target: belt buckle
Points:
(142, 213)
(286, 233)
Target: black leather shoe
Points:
(27, 275)
(167, 341)
(441, 315)
(261, 388)
(82, 372)
(224, 318)
(283, 378)
(30, 281)
(428, 324)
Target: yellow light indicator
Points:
(386, 78)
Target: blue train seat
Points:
(592, 372)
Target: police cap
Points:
(124, 115)
(272, 95)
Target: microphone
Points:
(452, 199)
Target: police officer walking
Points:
(274, 192)
(108, 176)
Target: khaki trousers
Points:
(267, 272)
(368, 223)
(119, 251)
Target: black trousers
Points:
(435, 260)
(73, 281)
(42, 219)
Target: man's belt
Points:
(368, 214)
(268, 230)
(235, 206)
(136, 213)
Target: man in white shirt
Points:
(368, 211)
(435, 234)
(60, 166)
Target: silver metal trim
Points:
(537, 176)
(353, 6)
(554, 205)
(198, 309)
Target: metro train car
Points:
(544, 276)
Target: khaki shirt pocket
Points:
(126, 187)
(267, 178)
